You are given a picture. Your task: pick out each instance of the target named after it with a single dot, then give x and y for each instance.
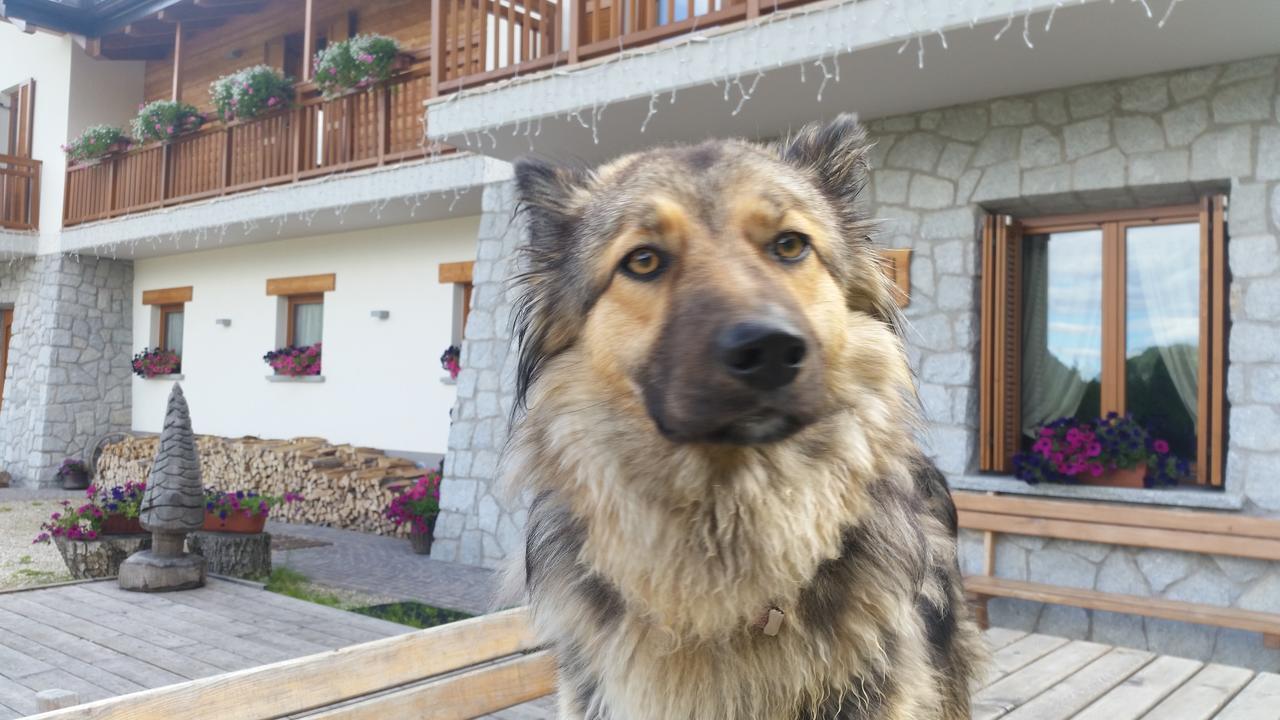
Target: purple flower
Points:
(1161, 446)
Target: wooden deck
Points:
(99, 641)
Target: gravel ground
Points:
(23, 564)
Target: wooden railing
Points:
(316, 137)
(19, 193)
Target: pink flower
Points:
(273, 101)
(1094, 449)
(1161, 446)
(333, 71)
(366, 58)
(170, 129)
(1095, 469)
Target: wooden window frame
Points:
(293, 302)
(460, 273)
(165, 312)
(1000, 352)
(6, 336)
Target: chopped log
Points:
(242, 555)
(101, 558)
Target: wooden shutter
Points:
(25, 116)
(1212, 399)
(1000, 356)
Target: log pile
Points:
(344, 486)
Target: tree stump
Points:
(242, 555)
(100, 558)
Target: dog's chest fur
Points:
(652, 607)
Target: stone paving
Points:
(385, 567)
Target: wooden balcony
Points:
(480, 42)
(19, 193)
(316, 137)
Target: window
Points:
(1119, 312)
(171, 317)
(458, 274)
(306, 320)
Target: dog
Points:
(729, 516)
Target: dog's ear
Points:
(550, 199)
(835, 155)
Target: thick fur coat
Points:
(685, 489)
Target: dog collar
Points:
(770, 621)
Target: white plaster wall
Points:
(382, 383)
(104, 92)
(47, 58)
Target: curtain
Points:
(173, 331)
(308, 324)
(1163, 297)
(1061, 324)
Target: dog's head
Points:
(727, 290)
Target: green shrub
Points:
(165, 120)
(94, 142)
(355, 64)
(251, 92)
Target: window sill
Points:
(446, 380)
(1209, 499)
(171, 376)
(295, 378)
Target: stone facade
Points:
(68, 376)
(1161, 139)
(478, 524)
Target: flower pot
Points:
(1134, 477)
(234, 522)
(421, 542)
(75, 480)
(118, 524)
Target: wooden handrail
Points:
(19, 193)
(409, 669)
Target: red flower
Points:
(1161, 446)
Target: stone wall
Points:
(68, 376)
(1152, 140)
(478, 525)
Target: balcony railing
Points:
(480, 41)
(19, 193)
(316, 137)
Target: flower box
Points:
(121, 524)
(241, 511)
(1134, 477)
(234, 522)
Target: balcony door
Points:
(6, 332)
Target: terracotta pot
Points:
(118, 524)
(235, 522)
(75, 481)
(421, 542)
(1134, 477)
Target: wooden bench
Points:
(1182, 530)
(453, 672)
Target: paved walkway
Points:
(385, 567)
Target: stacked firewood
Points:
(343, 486)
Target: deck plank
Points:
(63, 680)
(35, 651)
(16, 696)
(1006, 694)
(374, 627)
(998, 637)
(1259, 700)
(1020, 653)
(1081, 688)
(1141, 691)
(1202, 696)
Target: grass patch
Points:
(39, 576)
(25, 560)
(6, 508)
(413, 614)
(288, 581)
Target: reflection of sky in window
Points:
(1167, 255)
(1075, 300)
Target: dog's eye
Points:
(790, 246)
(644, 263)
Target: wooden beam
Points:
(438, 46)
(142, 52)
(147, 28)
(177, 63)
(301, 284)
(456, 272)
(315, 681)
(179, 13)
(308, 38)
(167, 296)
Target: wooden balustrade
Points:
(476, 42)
(316, 137)
(19, 193)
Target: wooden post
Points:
(437, 46)
(383, 98)
(576, 10)
(177, 62)
(753, 9)
(308, 39)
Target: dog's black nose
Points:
(764, 356)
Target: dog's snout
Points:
(764, 356)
